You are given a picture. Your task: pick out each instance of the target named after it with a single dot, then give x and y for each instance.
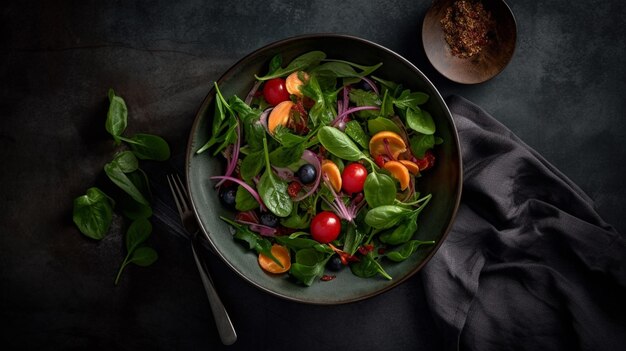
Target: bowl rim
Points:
(209, 98)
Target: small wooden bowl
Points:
(478, 68)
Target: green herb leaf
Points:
(126, 161)
(149, 147)
(380, 124)
(402, 233)
(403, 252)
(284, 156)
(144, 256)
(420, 121)
(411, 100)
(93, 213)
(379, 189)
(354, 131)
(138, 232)
(420, 143)
(368, 267)
(300, 63)
(117, 116)
(365, 98)
(339, 144)
(244, 201)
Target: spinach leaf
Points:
(403, 252)
(402, 233)
(368, 267)
(273, 190)
(336, 70)
(296, 243)
(93, 213)
(300, 63)
(117, 116)
(244, 201)
(297, 221)
(386, 216)
(138, 232)
(420, 143)
(339, 144)
(251, 165)
(309, 265)
(420, 121)
(255, 241)
(117, 176)
(379, 189)
(366, 70)
(380, 124)
(354, 131)
(222, 113)
(126, 161)
(283, 156)
(275, 63)
(148, 147)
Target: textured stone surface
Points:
(561, 93)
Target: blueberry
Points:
(334, 263)
(268, 219)
(364, 85)
(227, 196)
(307, 173)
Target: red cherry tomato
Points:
(325, 227)
(275, 91)
(353, 178)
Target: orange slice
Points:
(293, 83)
(411, 166)
(279, 115)
(395, 144)
(282, 254)
(330, 169)
(398, 171)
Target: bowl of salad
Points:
(324, 169)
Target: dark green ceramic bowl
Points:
(444, 181)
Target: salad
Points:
(323, 160)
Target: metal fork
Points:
(222, 320)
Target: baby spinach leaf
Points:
(380, 124)
(339, 144)
(275, 63)
(120, 179)
(126, 161)
(273, 190)
(387, 216)
(255, 241)
(117, 116)
(354, 131)
(283, 156)
(309, 265)
(403, 252)
(148, 147)
(402, 233)
(296, 221)
(323, 112)
(138, 232)
(420, 143)
(93, 213)
(366, 70)
(336, 69)
(368, 267)
(144, 256)
(420, 121)
(251, 165)
(297, 243)
(244, 201)
(300, 63)
(379, 189)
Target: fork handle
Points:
(222, 320)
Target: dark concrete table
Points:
(562, 94)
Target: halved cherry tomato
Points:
(282, 255)
(353, 178)
(275, 91)
(325, 227)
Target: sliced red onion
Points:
(232, 162)
(252, 92)
(250, 189)
(263, 118)
(371, 84)
(311, 158)
(259, 228)
(284, 173)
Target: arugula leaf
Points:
(365, 98)
(354, 131)
(408, 99)
(368, 267)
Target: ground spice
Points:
(467, 27)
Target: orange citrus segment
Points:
(398, 171)
(394, 142)
(411, 166)
(330, 169)
(279, 115)
(293, 83)
(282, 255)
